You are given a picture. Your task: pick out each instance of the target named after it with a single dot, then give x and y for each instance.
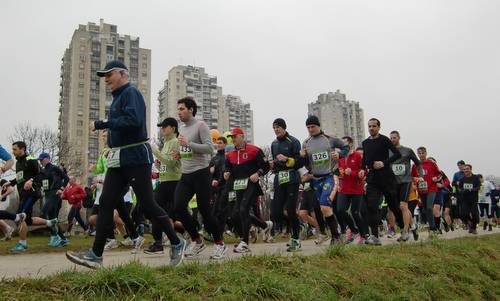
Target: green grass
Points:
(461, 269)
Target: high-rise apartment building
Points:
(339, 116)
(83, 95)
(221, 112)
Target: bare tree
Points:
(37, 139)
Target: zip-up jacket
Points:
(287, 146)
(53, 178)
(351, 184)
(219, 162)
(27, 168)
(245, 161)
(75, 195)
(430, 170)
(127, 125)
(170, 168)
(318, 148)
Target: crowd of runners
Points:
(197, 185)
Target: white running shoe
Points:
(267, 231)
(195, 248)
(242, 248)
(219, 252)
(111, 244)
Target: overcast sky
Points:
(427, 68)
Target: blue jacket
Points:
(127, 125)
(288, 146)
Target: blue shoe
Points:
(86, 258)
(52, 239)
(63, 243)
(56, 240)
(19, 247)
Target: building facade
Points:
(339, 116)
(221, 112)
(84, 97)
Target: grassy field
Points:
(462, 269)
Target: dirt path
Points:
(39, 265)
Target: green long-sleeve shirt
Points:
(170, 169)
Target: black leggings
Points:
(164, 197)
(197, 183)
(245, 201)
(7, 215)
(220, 209)
(74, 213)
(139, 177)
(51, 210)
(470, 212)
(344, 201)
(286, 195)
(374, 192)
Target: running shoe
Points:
(138, 242)
(22, 218)
(391, 233)
(295, 245)
(127, 242)
(219, 252)
(490, 228)
(86, 258)
(177, 252)
(63, 243)
(267, 231)
(154, 249)
(373, 241)
(405, 236)
(321, 239)
(242, 248)
(55, 240)
(111, 244)
(19, 247)
(195, 248)
(351, 237)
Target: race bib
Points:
(468, 186)
(320, 158)
(399, 169)
(186, 153)
(20, 176)
(422, 186)
(45, 184)
(113, 159)
(284, 177)
(232, 196)
(453, 200)
(307, 186)
(240, 184)
(163, 169)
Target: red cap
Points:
(237, 131)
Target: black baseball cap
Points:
(169, 121)
(110, 66)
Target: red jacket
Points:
(75, 195)
(431, 170)
(351, 184)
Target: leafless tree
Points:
(37, 139)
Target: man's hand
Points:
(361, 174)
(215, 183)
(378, 164)
(212, 170)
(281, 158)
(28, 185)
(335, 155)
(154, 147)
(306, 178)
(303, 153)
(183, 141)
(227, 175)
(254, 178)
(435, 179)
(347, 171)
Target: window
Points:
(79, 123)
(81, 75)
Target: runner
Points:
(457, 177)
(74, 194)
(427, 189)
(310, 209)
(6, 215)
(53, 183)
(8, 161)
(195, 149)
(380, 179)
(129, 162)
(244, 165)
(28, 182)
(285, 161)
(469, 187)
(351, 190)
(402, 170)
(170, 174)
(319, 150)
(485, 204)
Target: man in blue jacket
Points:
(129, 161)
